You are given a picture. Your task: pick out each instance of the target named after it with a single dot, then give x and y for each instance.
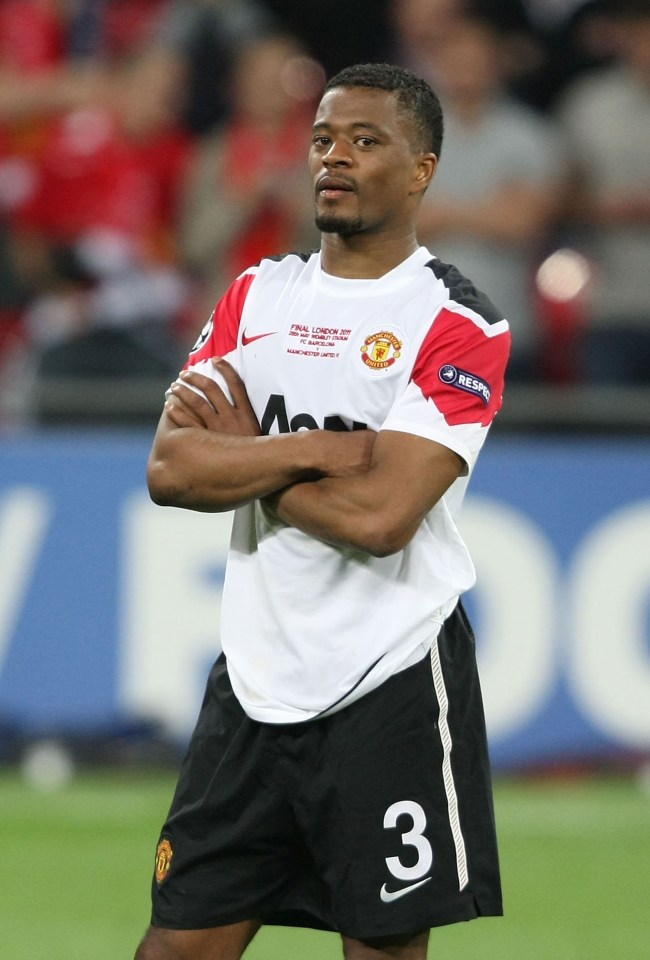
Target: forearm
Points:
(213, 472)
(333, 510)
(208, 453)
(380, 510)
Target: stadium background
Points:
(109, 606)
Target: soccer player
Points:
(338, 775)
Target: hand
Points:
(214, 410)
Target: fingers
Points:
(179, 415)
(210, 406)
(185, 407)
(215, 395)
(224, 409)
(213, 391)
(234, 381)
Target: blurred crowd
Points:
(151, 149)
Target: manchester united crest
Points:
(381, 350)
(164, 854)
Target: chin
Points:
(344, 226)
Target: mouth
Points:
(332, 187)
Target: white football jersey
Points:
(306, 626)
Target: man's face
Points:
(366, 172)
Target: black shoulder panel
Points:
(463, 291)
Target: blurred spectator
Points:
(337, 32)
(32, 34)
(37, 35)
(573, 36)
(112, 29)
(40, 71)
(497, 190)
(32, 49)
(205, 36)
(248, 195)
(13, 295)
(420, 28)
(94, 236)
(606, 117)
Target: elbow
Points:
(385, 546)
(171, 486)
(160, 483)
(383, 539)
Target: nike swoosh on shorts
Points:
(389, 895)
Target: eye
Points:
(366, 141)
(320, 140)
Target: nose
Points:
(337, 155)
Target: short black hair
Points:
(414, 96)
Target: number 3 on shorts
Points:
(410, 838)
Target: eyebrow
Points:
(355, 125)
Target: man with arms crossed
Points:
(338, 775)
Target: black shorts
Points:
(372, 821)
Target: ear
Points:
(425, 171)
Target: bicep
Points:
(409, 474)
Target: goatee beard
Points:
(330, 223)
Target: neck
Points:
(355, 259)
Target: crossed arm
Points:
(361, 490)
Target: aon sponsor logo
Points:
(275, 415)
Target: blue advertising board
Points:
(109, 605)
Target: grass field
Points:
(75, 867)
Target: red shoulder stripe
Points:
(461, 367)
(220, 334)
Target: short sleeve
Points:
(456, 385)
(220, 334)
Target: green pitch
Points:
(75, 866)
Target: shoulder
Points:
(266, 272)
(458, 293)
(284, 263)
(281, 271)
(463, 356)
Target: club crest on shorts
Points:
(381, 350)
(164, 855)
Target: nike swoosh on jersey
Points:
(389, 895)
(258, 336)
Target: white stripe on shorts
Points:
(447, 773)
